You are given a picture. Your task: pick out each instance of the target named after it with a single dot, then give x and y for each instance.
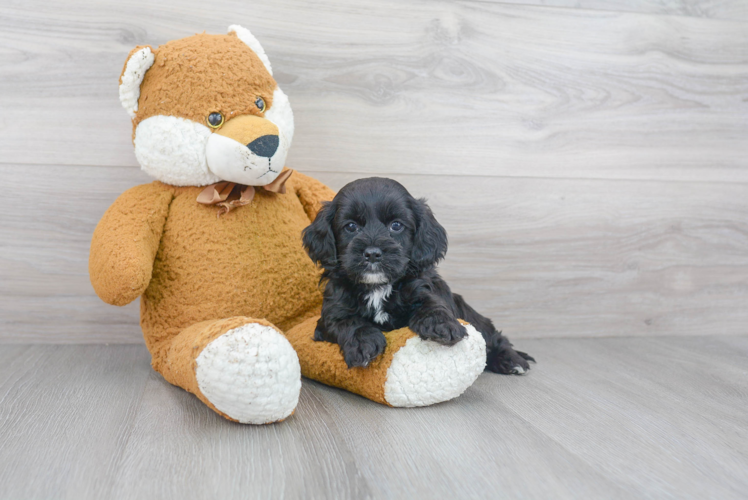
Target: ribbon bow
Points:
(229, 195)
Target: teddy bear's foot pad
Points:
(423, 372)
(251, 374)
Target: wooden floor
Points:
(595, 418)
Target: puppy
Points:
(379, 247)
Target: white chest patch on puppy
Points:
(375, 301)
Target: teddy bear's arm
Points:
(311, 193)
(125, 243)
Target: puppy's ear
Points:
(430, 240)
(319, 239)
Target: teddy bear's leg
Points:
(410, 372)
(242, 368)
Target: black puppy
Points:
(379, 247)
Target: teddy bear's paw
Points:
(424, 372)
(251, 374)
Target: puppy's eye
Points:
(396, 226)
(260, 103)
(215, 120)
(351, 227)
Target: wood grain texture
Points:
(65, 417)
(471, 87)
(730, 10)
(542, 257)
(587, 158)
(595, 418)
(45, 234)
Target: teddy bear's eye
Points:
(215, 120)
(260, 103)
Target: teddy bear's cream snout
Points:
(248, 149)
(258, 134)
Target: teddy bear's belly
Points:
(249, 262)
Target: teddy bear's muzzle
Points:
(248, 150)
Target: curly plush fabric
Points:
(138, 62)
(195, 267)
(202, 74)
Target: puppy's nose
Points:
(265, 146)
(373, 254)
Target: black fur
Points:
(356, 240)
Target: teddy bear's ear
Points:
(138, 62)
(249, 39)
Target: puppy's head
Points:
(375, 232)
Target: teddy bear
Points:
(228, 297)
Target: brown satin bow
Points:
(229, 195)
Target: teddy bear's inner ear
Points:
(138, 62)
(249, 39)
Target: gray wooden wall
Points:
(588, 157)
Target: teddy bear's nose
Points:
(265, 145)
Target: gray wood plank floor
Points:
(595, 418)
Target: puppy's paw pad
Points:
(363, 347)
(440, 328)
(508, 362)
(450, 333)
(518, 370)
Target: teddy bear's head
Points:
(207, 109)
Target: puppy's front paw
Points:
(363, 346)
(439, 327)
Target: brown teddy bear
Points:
(229, 299)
